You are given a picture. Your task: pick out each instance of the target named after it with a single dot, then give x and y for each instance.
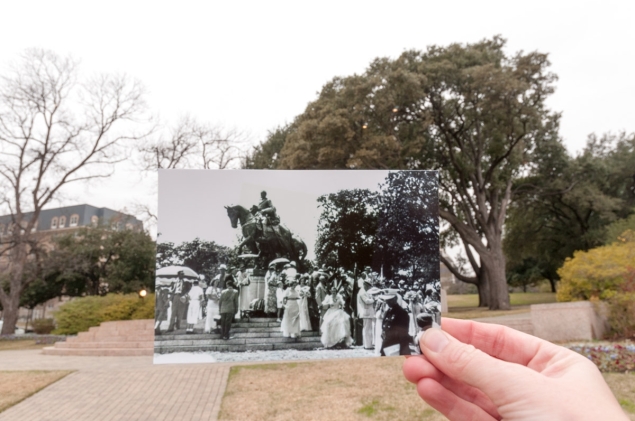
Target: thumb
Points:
(496, 378)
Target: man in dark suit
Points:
(395, 328)
(228, 306)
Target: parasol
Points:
(169, 274)
(248, 256)
(279, 260)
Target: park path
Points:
(118, 388)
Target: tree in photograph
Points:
(470, 111)
(408, 225)
(347, 228)
(55, 129)
(98, 260)
(203, 257)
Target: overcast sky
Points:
(256, 65)
(192, 202)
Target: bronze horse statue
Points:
(262, 239)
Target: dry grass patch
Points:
(16, 386)
(623, 386)
(360, 389)
(20, 344)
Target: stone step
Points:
(204, 336)
(105, 352)
(104, 345)
(236, 341)
(238, 348)
(256, 325)
(114, 338)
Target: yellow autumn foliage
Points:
(597, 274)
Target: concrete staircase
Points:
(259, 334)
(119, 338)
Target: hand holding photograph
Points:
(280, 265)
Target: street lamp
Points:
(143, 293)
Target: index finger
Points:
(503, 342)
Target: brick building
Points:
(61, 221)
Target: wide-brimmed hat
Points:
(223, 266)
(374, 291)
(368, 281)
(388, 298)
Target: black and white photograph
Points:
(283, 265)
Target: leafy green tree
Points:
(95, 261)
(566, 203)
(469, 111)
(347, 228)
(408, 227)
(266, 155)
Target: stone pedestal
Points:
(561, 322)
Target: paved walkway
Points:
(118, 388)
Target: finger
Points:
(503, 342)
(499, 380)
(450, 405)
(417, 368)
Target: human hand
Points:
(492, 372)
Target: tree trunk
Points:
(10, 314)
(494, 265)
(483, 288)
(553, 284)
(11, 301)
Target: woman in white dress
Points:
(195, 295)
(213, 295)
(336, 327)
(290, 325)
(305, 293)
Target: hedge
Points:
(82, 313)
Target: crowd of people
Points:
(390, 314)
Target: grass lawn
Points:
(6, 345)
(465, 306)
(16, 386)
(362, 389)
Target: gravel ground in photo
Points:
(264, 356)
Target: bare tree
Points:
(55, 129)
(194, 145)
(190, 144)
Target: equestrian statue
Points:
(262, 233)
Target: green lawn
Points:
(465, 306)
(515, 298)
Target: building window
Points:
(74, 221)
(54, 223)
(62, 221)
(94, 220)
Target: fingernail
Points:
(435, 340)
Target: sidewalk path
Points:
(118, 388)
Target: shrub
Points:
(82, 313)
(608, 274)
(622, 309)
(598, 273)
(43, 326)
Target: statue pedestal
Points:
(256, 288)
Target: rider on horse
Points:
(265, 207)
